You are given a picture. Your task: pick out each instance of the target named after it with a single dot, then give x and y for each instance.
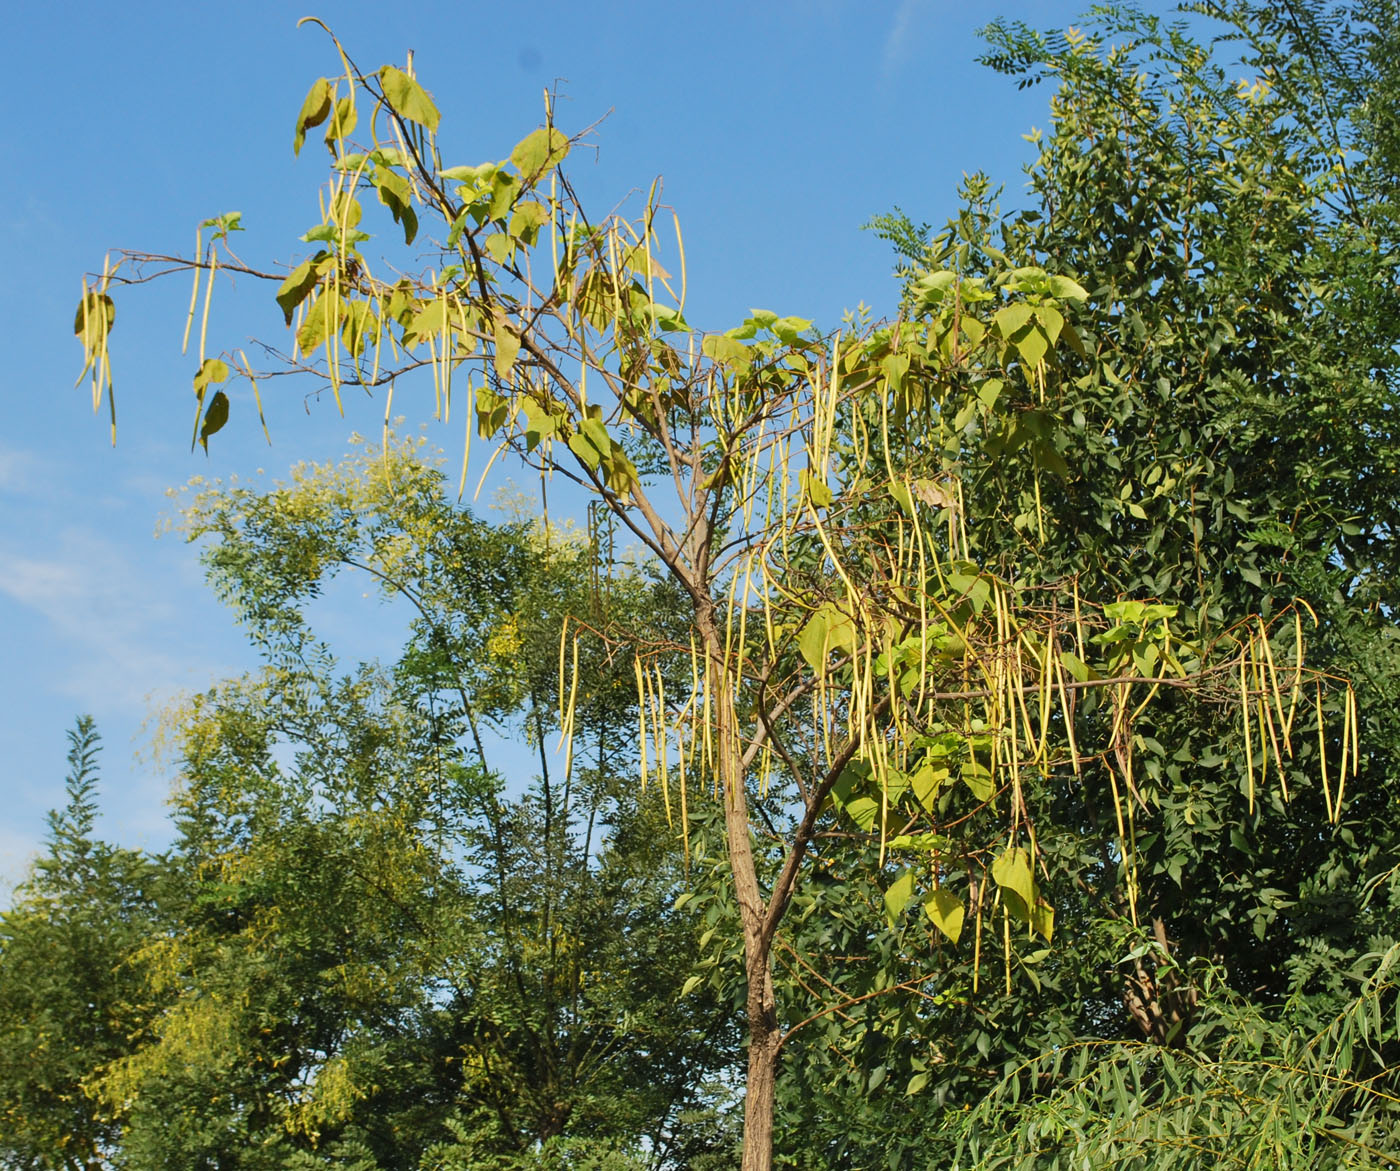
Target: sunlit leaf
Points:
(540, 150)
(408, 99)
(314, 110)
(945, 911)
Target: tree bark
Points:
(765, 1037)
(765, 1040)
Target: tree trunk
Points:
(765, 1037)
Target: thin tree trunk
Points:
(765, 1037)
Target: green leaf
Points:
(539, 424)
(95, 317)
(812, 641)
(314, 110)
(897, 897)
(978, 778)
(788, 330)
(902, 496)
(691, 984)
(1032, 346)
(539, 150)
(298, 285)
(945, 911)
(1067, 290)
(507, 347)
(851, 793)
(727, 351)
(213, 370)
(230, 221)
(408, 99)
(814, 489)
(214, 418)
(1012, 319)
(926, 782)
(1077, 667)
(1012, 873)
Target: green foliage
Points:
(1237, 450)
(1248, 1088)
(71, 997)
(382, 954)
(995, 611)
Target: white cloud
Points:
(899, 39)
(22, 472)
(122, 633)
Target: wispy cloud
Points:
(116, 620)
(22, 472)
(899, 40)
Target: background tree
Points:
(1238, 451)
(71, 997)
(386, 957)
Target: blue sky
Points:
(779, 128)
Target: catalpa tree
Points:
(849, 659)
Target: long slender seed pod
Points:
(194, 291)
(1296, 691)
(573, 700)
(1069, 717)
(1355, 730)
(975, 904)
(680, 249)
(562, 692)
(1349, 741)
(659, 737)
(1124, 846)
(1006, 945)
(257, 397)
(1275, 692)
(208, 298)
(1332, 811)
(1248, 746)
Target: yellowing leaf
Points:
(1032, 347)
(314, 110)
(945, 911)
(926, 782)
(1051, 321)
(1012, 319)
(1043, 918)
(817, 490)
(94, 319)
(298, 285)
(539, 150)
(1012, 872)
(727, 351)
(812, 641)
(507, 347)
(898, 895)
(409, 99)
(213, 370)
